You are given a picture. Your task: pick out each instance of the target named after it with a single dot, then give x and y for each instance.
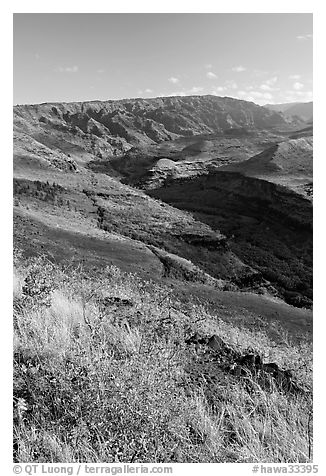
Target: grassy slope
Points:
(71, 236)
(253, 311)
(70, 232)
(92, 200)
(71, 352)
(156, 399)
(73, 246)
(289, 163)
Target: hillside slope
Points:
(60, 143)
(288, 163)
(137, 121)
(69, 164)
(268, 224)
(94, 215)
(117, 369)
(304, 110)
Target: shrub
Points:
(39, 283)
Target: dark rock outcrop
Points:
(213, 350)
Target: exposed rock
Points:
(146, 121)
(116, 301)
(212, 349)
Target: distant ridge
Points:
(302, 109)
(119, 125)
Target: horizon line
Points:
(155, 97)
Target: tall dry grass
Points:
(104, 384)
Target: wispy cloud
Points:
(174, 80)
(308, 36)
(298, 86)
(208, 66)
(231, 84)
(269, 84)
(239, 69)
(295, 76)
(260, 95)
(255, 96)
(100, 71)
(266, 87)
(260, 72)
(211, 75)
(145, 91)
(68, 69)
(300, 96)
(271, 81)
(218, 90)
(195, 90)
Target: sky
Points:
(264, 58)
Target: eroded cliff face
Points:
(288, 163)
(267, 225)
(116, 126)
(172, 148)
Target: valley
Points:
(163, 253)
(206, 192)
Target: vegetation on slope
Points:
(111, 208)
(267, 226)
(105, 371)
(86, 148)
(113, 127)
(111, 366)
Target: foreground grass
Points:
(102, 374)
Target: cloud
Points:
(298, 96)
(231, 84)
(195, 90)
(239, 69)
(211, 75)
(174, 80)
(260, 95)
(268, 85)
(308, 36)
(100, 71)
(298, 86)
(68, 69)
(208, 66)
(295, 76)
(271, 81)
(255, 96)
(219, 89)
(175, 93)
(145, 91)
